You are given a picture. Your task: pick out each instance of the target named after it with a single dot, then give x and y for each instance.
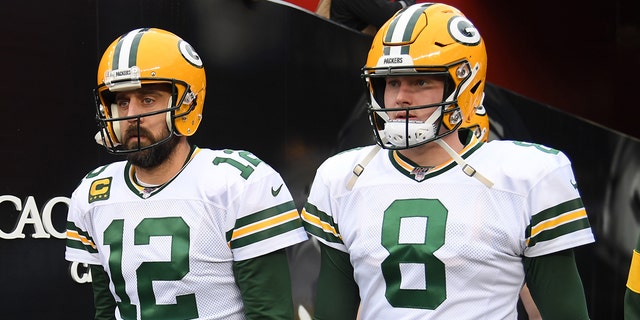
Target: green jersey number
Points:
(415, 252)
(174, 227)
(537, 146)
(245, 169)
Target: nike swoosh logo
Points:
(275, 192)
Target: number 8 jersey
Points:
(425, 241)
(169, 251)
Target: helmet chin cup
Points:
(405, 134)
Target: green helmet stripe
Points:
(388, 37)
(410, 25)
(126, 51)
(133, 51)
(402, 26)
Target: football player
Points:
(431, 222)
(176, 231)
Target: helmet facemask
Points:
(404, 133)
(109, 120)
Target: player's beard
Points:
(153, 156)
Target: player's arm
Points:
(265, 284)
(632, 293)
(556, 287)
(103, 300)
(529, 306)
(337, 294)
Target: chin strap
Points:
(359, 168)
(466, 168)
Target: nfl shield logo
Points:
(420, 172)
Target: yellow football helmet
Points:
(426, 39)
(150, 56)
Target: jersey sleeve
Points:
(266, 218)
(558, 216)
(317, 216)
(80, 246)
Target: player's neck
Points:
(431, 154)
(168, 169)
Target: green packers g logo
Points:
(100, 190)
(463, 31)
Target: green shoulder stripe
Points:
(264, 224)
(552, 212)
(78, 239)
(320, 224)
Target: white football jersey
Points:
(169, 251)
(435, 243)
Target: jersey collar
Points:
(419, 173)
(145, 191)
